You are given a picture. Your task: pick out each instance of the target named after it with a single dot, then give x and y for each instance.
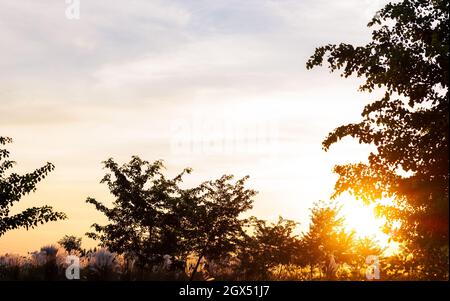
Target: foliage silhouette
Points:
(269, 245)
(409, 125)
(153, 216)
(138, 219)
(71, 243)
(215, 227)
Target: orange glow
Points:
(361, 218)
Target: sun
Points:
(361, 219)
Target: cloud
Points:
(20, 115)
(166, 51)
(40, 38)
(225, 62)
(114, 82)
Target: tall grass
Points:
(49, 264)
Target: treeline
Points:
(200, 231)
(152, 218)
(158, 230)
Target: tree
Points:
(152, 216)
(142, 225)
(70, 243)
(327, 244)
(409, 125)
(13, 187)
(269, 245)
(362, 249)
(215, 228)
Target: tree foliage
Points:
(327, 242)
(215, 229)
(409, 125)
(70, 243)
(13, 187)
(138, 219)
(153, 215)
(268, 245)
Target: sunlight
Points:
(361, 219)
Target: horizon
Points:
(76, 92)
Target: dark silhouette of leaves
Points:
(408, 59)
(13, 187)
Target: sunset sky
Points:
(220, 86)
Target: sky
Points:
(217, 85)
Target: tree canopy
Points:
(13, 187)
(70, 243)
(268, 245)
(409, 126)
(153, 216)
(327, 242)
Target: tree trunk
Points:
(196, 267)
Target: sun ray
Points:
(361, 219)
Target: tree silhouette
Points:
(152, 216)
(326, 244)
(408, 58)
(13, 187)
(139, 220)
(70, 243)
(216, 228)
(268, 246)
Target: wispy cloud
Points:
(114, 83)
